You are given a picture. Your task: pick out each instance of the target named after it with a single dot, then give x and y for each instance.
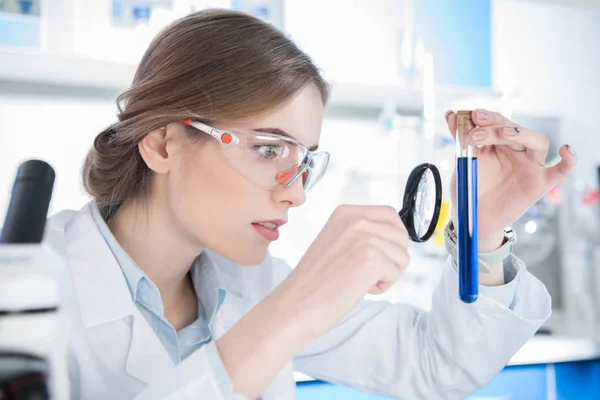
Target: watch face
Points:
(449, 230)
(510, 234)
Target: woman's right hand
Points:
(360, 250)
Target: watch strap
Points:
(486, 260)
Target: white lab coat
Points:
(380, 348)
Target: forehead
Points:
(301, 117)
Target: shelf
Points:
(405, 96)
(20, 30)
(30, 66)
(36, 67)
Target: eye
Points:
(272, 151)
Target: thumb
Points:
(381, 287)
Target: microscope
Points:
(33, 334)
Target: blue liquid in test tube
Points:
(467, 228)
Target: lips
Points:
(268, 229)
(274, 223)
(269, 225)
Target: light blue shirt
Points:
(146, 296)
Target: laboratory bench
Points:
(554, 366)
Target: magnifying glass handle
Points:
(402, 213)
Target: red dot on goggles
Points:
(226, 138)
(284, 176)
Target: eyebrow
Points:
(277, 131)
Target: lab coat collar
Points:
(105, 298)
(101, 287)
(84, 238)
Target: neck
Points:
(151, 237)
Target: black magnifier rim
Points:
(407, 212)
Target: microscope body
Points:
(33, 327)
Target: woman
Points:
(169, 283)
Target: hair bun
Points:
(109, 171)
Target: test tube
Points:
(466, 229)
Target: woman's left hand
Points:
(512, 175)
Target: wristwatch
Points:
(486, 260)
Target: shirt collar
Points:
(204, 274)
(211, 293)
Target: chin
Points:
(250, 256)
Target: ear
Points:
(153, 149)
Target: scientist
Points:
(168, 281)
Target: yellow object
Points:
(438, 235)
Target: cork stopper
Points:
(464, 121)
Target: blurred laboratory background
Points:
(396, 67)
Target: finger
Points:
(535, 142)
(490, 135)
(389, 260)
(381, 287)
(452, 122)
(483, 117)
(517, 138)
(385, 214)
(564, 167)
(395, 235)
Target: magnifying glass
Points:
(422, 202)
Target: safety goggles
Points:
(269, 160)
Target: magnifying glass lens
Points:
(422, 202)
(424, 207)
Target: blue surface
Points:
(515, 383)
(578, 380)
(574, 381)
(324, 391)
(459, 35)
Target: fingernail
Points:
(448, 113)
(478, 135)
(482, 115)
(570, 150)
(511, 130)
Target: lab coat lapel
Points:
(105, 300)
(147, 360)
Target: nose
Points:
(293, 195)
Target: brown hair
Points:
(211, 65)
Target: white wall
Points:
(349, 40)
(54, 127)
(550, 53)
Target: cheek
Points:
(204, 179)
(209, 197)
(213, 205)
